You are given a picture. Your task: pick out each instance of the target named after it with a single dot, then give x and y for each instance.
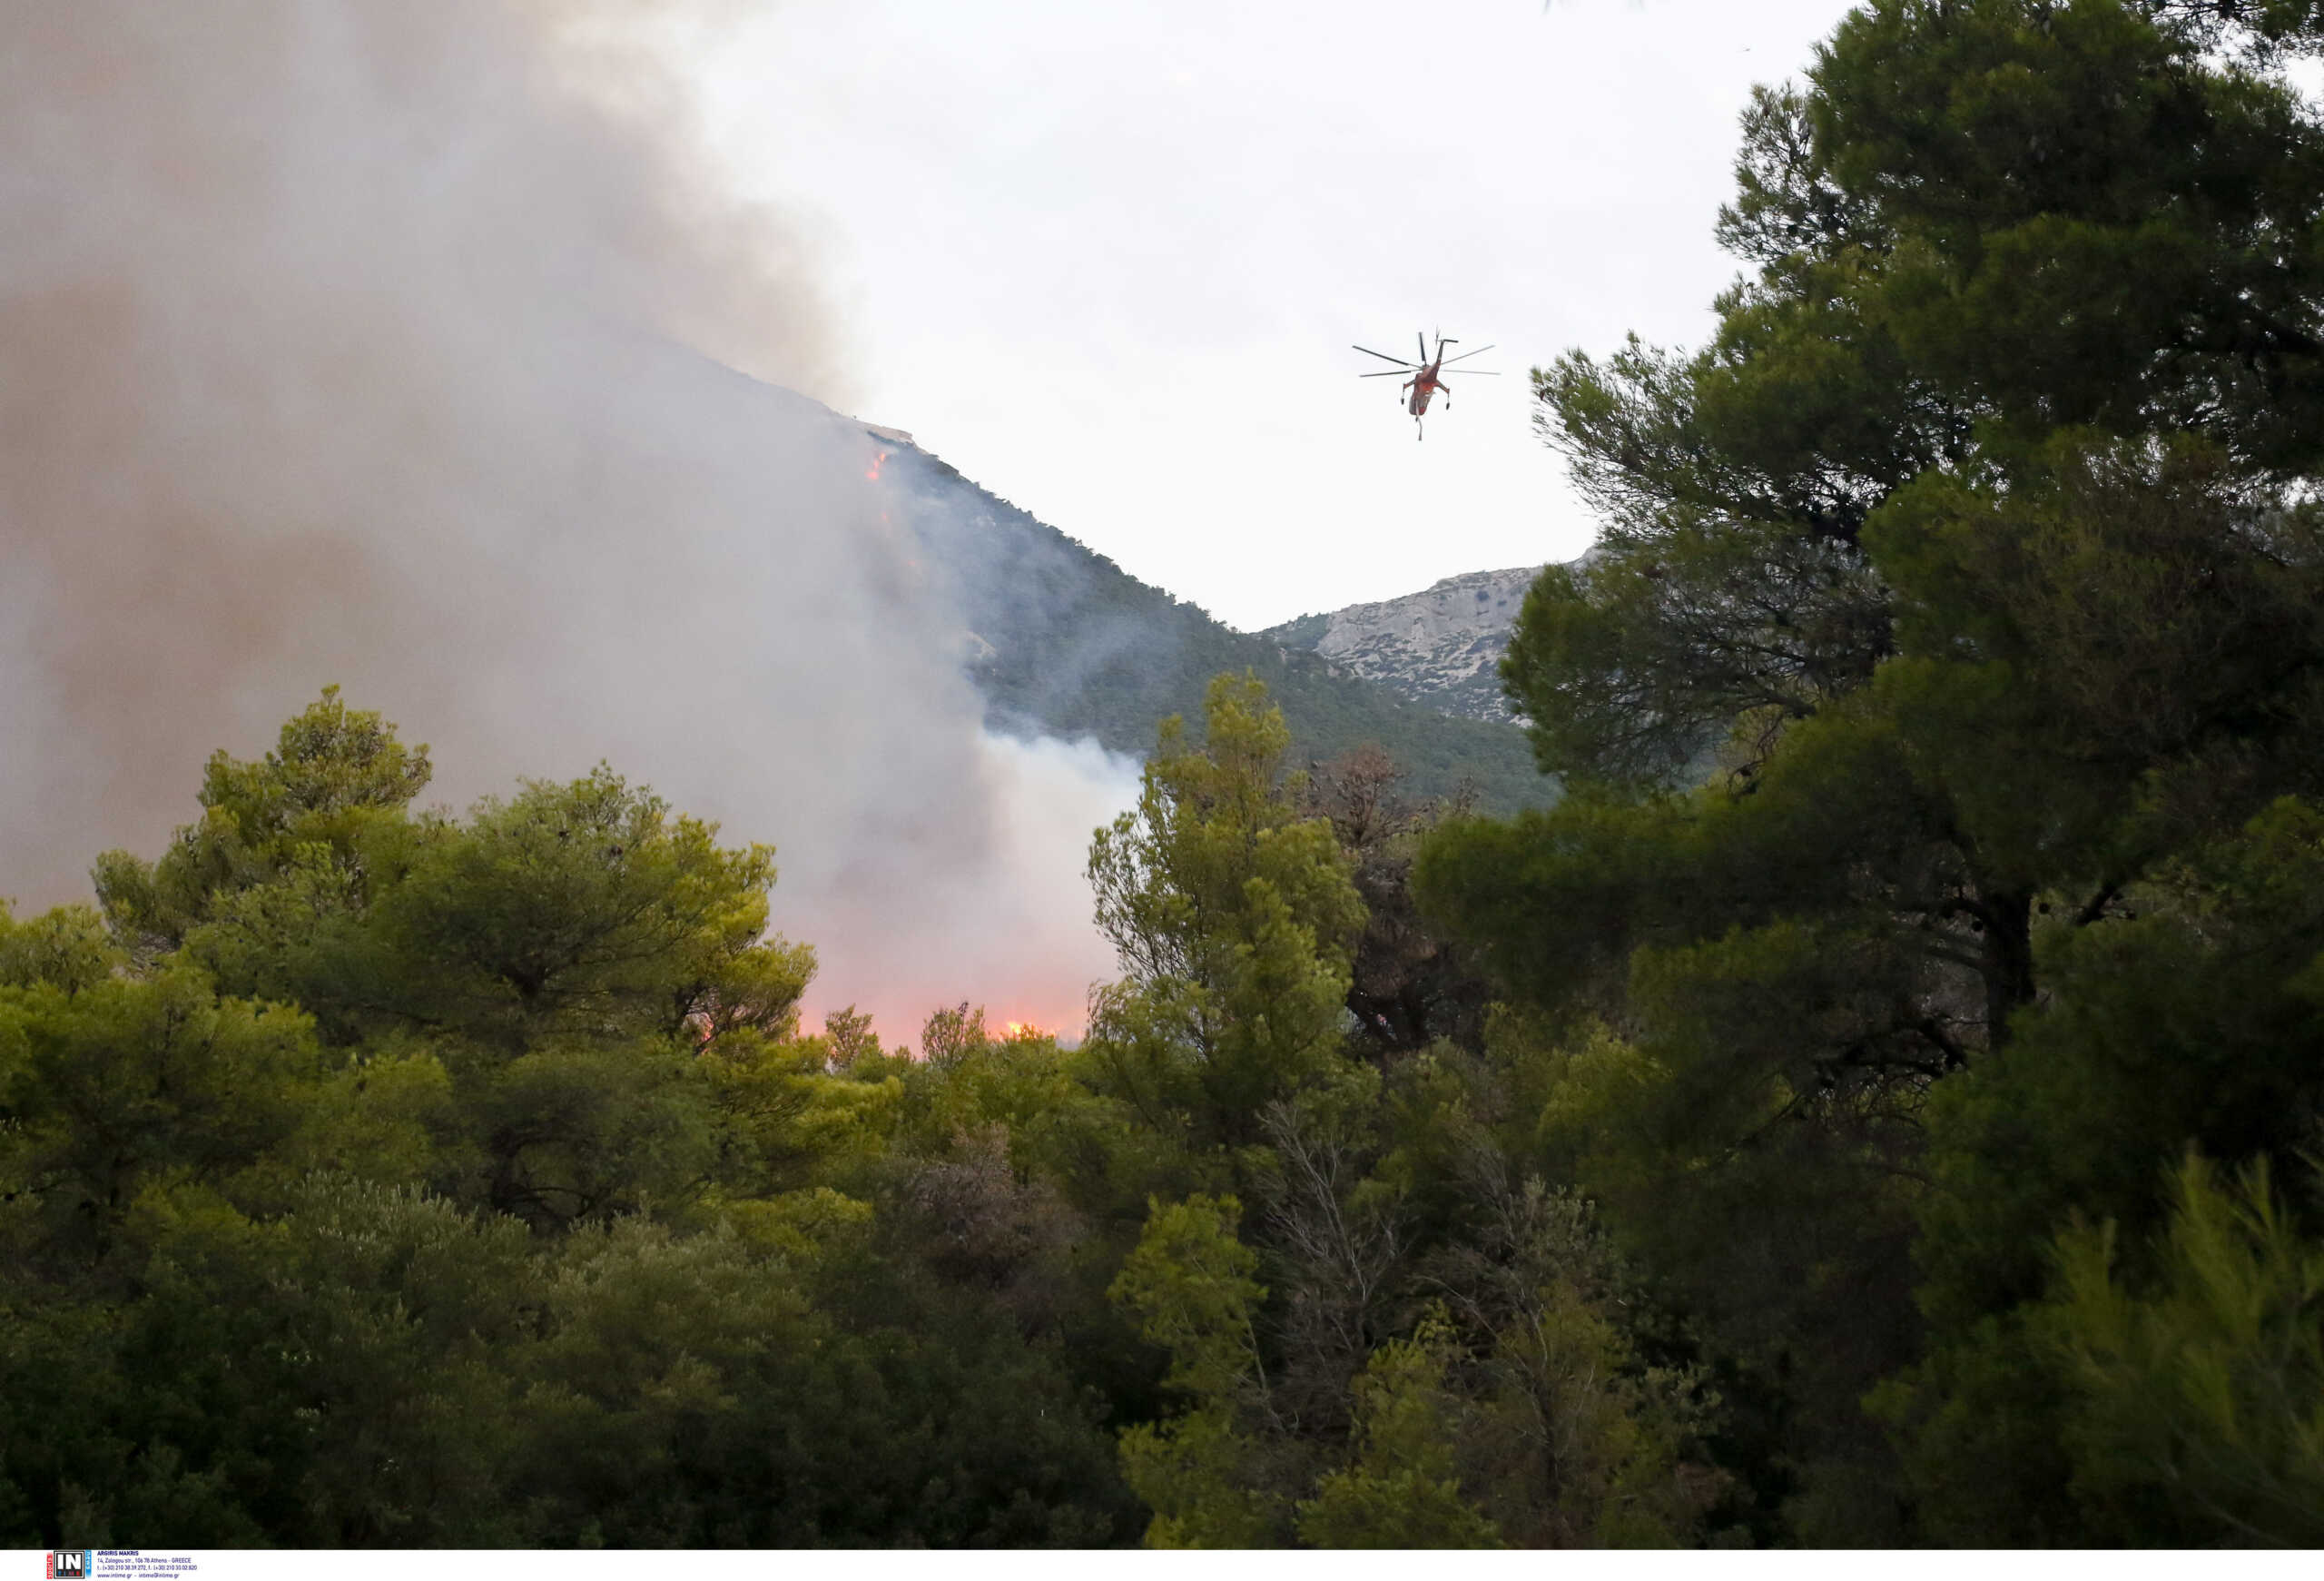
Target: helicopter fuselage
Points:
(1427, 374)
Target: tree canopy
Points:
(1951, 647)
(1881, 1102)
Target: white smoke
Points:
(380, 342)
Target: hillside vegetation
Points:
(1075, 646)
(1880, 1103)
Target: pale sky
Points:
(1109, 259)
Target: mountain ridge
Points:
(1062, 641)
(1440, 647)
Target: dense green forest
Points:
(1882, 1103)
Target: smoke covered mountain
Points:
(1063, 642)
(1440, 647)
(402, 345)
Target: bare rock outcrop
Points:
(1440, 647)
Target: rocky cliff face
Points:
(1441, 648)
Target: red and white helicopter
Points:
(1427, 375)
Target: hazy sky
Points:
(1109, 259)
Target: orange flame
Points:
(1013, 1030)
(879, 460)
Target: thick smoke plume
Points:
(391, 343)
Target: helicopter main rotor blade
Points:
(1383, 356)
(1464, 356)
(1384, 373)
(1422, 341)
(1479, 373)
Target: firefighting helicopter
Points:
(1427, 375)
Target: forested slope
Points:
(1075, 646)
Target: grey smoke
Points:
(393, 342)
